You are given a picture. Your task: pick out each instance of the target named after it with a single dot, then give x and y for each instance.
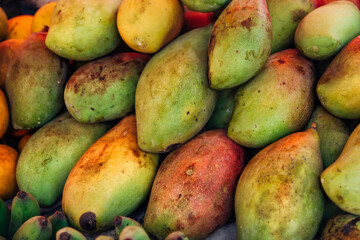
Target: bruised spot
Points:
(65, 236)
(88, 221)
(92, 108)
(281, 61)
(340, 198)
(179, 196)
(117, 221)
(298, 14)
(136, 152)
(43, 222)
(248, 24)
(349, 227)
(58, 12)
(300, 69)
(21, 195)
(172, 147)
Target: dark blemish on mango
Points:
(136, 152)
(248, 24)
(350, 226)
(58, 12)
(43, 222)
(88, 221)
(340, 198)
(117, 221)
(65, 236)
(281, 61)
(187, 113)
(92, 108)
(172, 147)
(196, 119)
(258, 91)
(179, 196)
(300, 69)
(21, 194)
(298, 14)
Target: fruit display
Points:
(180, 120)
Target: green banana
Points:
(133, 233)
(120, 222)
(36, 228)
(58, 221)
(178, 235)
(4, 218)
(24, 207)
(68, 233)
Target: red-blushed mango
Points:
(194, 187)
(338, 88)
(19, 27)
(148, 25)
(240, 43)
(323, 2)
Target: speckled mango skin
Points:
(327, 29)
(173, 100)
(205, 5)
(35, 67)
(240, 43)
(285, 17)
(51, 153)
(83, 29)
(344, 227)
(104, 89)
(111, 179)
(342, 76)
(340, 180)
(279, 195)
(194, 187)
(275, 103)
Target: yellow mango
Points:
(148, 25)
(43, 17)
(7, 50)
(3, 24)
(19, 27)
(8, 160)
(4, 114)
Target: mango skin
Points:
(114, 168)
(240, 43)
(173, 100)
(35, 67)
(327, 29)
(344, 227)
(278, 195)
(104, 89)
(83, 29)
(4, 114)
(342, 76)
(205, 5)
(275, 103)
(285, 17)
(8, 161)
(340, 179)
(194, 187)
(148, 25)
(3, 24)
(42, 17)
(19, 27)
(51, 153)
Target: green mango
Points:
(338, 87)
(120, 222)
(50, 154)
(35, 83)
(173, 100)
(344, 227)
(285, 17)
(275, 103)
(83, 29)
(37, 227)
(205, 5)
(69, 233)
(58, 221)
(240, 43)
(327, 29)
(133, 233)
(333, 134)
(223, 110)
(279, 195)
(340, 180)
(4, 218)
(104, 89)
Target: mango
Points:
(285, 17)
(8, 161)
(7, 51)
(83, 29)
(194, 187)
(275, 103)
(4, 114)
(19, 27)
(240, 43)
(342, 76)
(340, 179)
(3, 24)
(51, 153)
(173, 100)
(34, 67)
(104, 89)
(148, 25)
(278, 195)
(344, 227)
(325, 31)
(4, 219)
(205, 5)
(113, 177)
(42, 17)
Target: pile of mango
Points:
(202, 110)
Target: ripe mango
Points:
(83, 29)
(194, 187)
(104, 89)
(19, 27)
(4, 114)
(338, 88)
(205, 5)
(8, 161)
(275, 103)
(113, 177)
(148, 25)
(173, 100)
(3, 24)
(35, 83)
(240, 43)
(344, 227)
(279, 195)
(50, 154)
(327, 29)
(42, 17)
